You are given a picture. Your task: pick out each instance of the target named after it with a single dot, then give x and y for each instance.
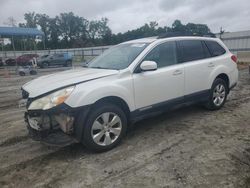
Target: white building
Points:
(238, 43)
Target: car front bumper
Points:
(57, 126)
(50, 137)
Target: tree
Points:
(43, 21)
(30, 19)
(190, 28)
(71, 27)
(54, 33)
(69, 30)
(99, 29)
(11, 22)
(177, 26)
(199, 29)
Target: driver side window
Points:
(163, 54)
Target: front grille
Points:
(25, 94)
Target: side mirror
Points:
(148, 66)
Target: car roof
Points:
(156, 39)
(142, 40)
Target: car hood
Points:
(45, 84)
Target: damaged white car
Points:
(127, 83)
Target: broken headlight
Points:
(51, 100)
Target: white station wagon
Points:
(129, 82)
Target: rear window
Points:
(214, 48)
(192, 50)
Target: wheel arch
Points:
(116, 101)
(82, 117)
(224, 77)
(222, 72)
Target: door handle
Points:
(177, 72)
(210, 65)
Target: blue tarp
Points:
(20, 31)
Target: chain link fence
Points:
(78, 54)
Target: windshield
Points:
(118, 57)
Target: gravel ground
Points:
(190, 147)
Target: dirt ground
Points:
(191, 147)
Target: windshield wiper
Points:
(98, 67)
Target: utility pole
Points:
(221, 32)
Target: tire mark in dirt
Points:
(13, 140)
(72, 151)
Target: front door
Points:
(153, 88)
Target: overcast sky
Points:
(232, 15)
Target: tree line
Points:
(68, 30)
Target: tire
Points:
(33, 72)
(22, 73)
(98, 125)
(45, 65)
(217, 95)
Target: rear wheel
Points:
(33, 72)
(104, 128)
(45, 65)
(218, 95)
(22, 73)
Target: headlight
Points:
(52, 99)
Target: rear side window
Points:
(214, 48)
(190, 50)
(58, 55)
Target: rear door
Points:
(194, 56)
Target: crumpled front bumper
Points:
(53, 127)
(52, 137)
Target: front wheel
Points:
(104, 128)
(218, 95)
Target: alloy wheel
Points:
(219, 94)
(106, 129)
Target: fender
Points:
(220, 69)
(90, 92)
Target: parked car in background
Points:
(10, 62)
(25, 59)
(127, 83)
(22, 60)
(64, 59)
(1, 62)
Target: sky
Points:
(123, 15)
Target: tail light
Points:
(234, 58)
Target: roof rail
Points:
(183, 34)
